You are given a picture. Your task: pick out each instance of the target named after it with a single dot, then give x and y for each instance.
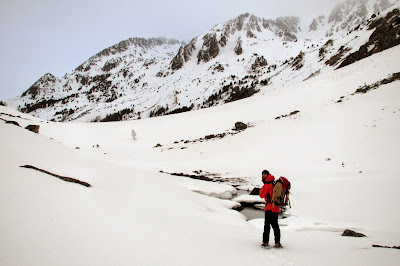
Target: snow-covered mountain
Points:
(140, 78)
(340, 153)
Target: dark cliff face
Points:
(183, 55)
(210, 48)
(385, 36)
(177, 61)
(238, 47)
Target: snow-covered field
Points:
(135, 215)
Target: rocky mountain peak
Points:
(352, 13)
(245, 26)
(40, 87)
(124, 46)
(243, 22)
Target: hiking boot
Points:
(278, 245)
(265, 245)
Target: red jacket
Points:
(267, 189)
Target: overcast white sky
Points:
(52, 36)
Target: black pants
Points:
(271, 220)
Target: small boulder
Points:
(255, 191)
(240, 126)
(33, 128)
(348, 232)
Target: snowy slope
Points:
(139, 78)
(133, 214)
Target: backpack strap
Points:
(268, 198)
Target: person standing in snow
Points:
(271, 210)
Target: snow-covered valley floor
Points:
(135, 215)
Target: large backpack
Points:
(280, 193)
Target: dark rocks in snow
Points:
(180, 110)
(298, 61)
(118, 116)
(313, 26)
(211, 177)
(340, 100)
(238, 48)
(324, 48)
(232, 92)
(255, 191)
(158, 145)
(188, 49)
(33, 128)
(217, 67)
(379, 246)
(264, 82)
(239, 93)
(177, 61)
(240, 126)
(258, 63)
(314, 74)
(183, 55)
(199, 177)
(284, 27)
(210, 48)
(13, 123)
(209, 137)
(250, 34)
(47, 103)
(214, 136)
(223, 40)
(160, 110)
(367, 87)
(288, 115)
(348, 232)
(64, 178)
(386, 35)
(111, 64)
(334, 60)
(391, 78)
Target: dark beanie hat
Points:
(265, 172)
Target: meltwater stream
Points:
(254, 213)
(250, 212)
